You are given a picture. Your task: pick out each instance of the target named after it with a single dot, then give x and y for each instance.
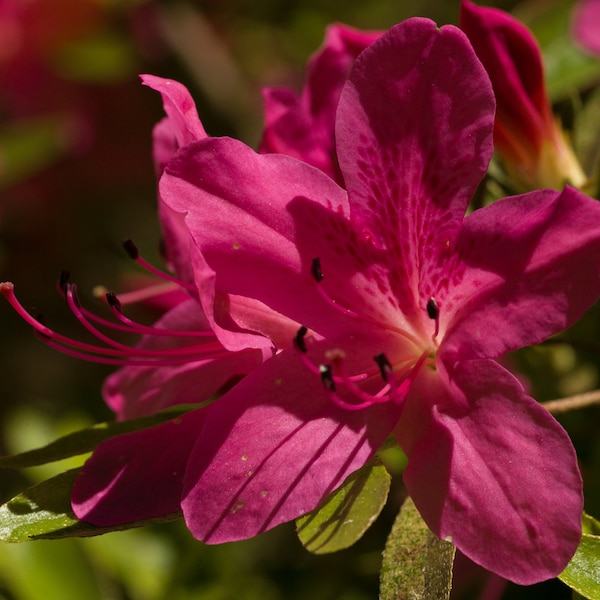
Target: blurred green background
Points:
(76, 178)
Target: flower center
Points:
(358, 391)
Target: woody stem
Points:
(576, 402)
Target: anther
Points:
(134, 253)
(327, 377)
(299, 340)
(131, 249)
(433, 312)
(384, 365)
(63, 281)
(315, 269)
(113, 301)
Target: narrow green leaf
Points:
(343, 517)
(583, 572)
(41, 509)
(44, 512)
(86, 440)
(417, 565)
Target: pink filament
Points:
(114, 352)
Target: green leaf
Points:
(343, 517)
(417, 565)
(38, 510)
(44, 512)
(583, 571)
(86, 440)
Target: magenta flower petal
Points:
(586, 25)
(180, 127)
(138, 391)
(289, 130)
(411, 174)
(182, 124)
(527, 268)
(235, 204)
(483, 442)
(272, 448)
(303, 126)
(138, 475)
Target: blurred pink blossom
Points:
(586, 25)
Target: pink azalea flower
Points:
(586, 25)
(405, 305)
(302, 126)
(532, 143)
(179, 360)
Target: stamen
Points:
(327, 377)
(114, 353)
(299, 340)
(113, 301)
(122, 360)
(315, 269)
(384, 365)
(432, 308)
(139, 295)
(63, 280)
(433, 312)
(398, 378)
(131, 249)
(116, 307)
(134, 253)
